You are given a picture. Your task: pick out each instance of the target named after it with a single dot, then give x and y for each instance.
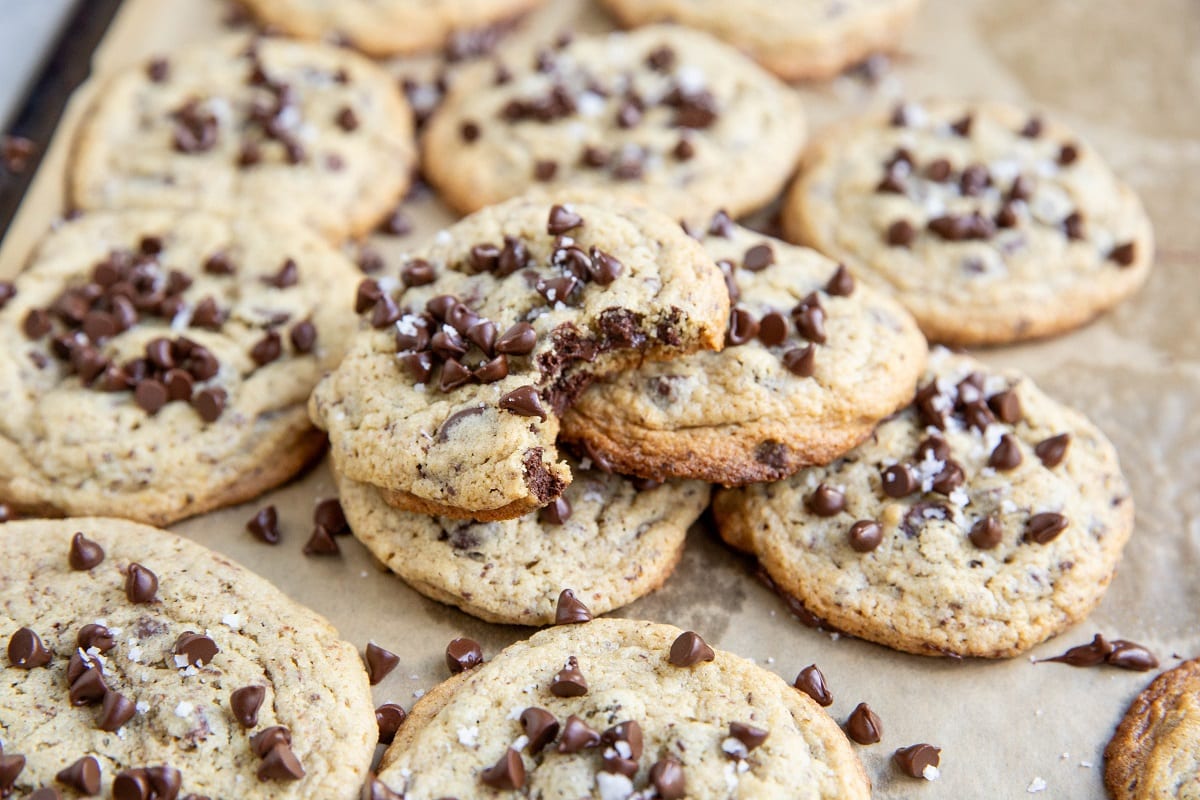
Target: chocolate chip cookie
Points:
(386, 28)
(665, 115)
(156, 364)
(609, 539)
(613, 707)
(812, 361)
(450, 397)
(142, 665)
(307, 132)
(991, 223)
(979, 521)
(801, 39)
(1155, 751)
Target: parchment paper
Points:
(1127, 76)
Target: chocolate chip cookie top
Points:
(991, 223)
(608, 538)
(979, 521)
(662, 712)
(812, 361)
(387, 27)
(164, 666)
(156, 363)
(1155, 752)
(795, 39)
(662, 114)
(450, 396)
(240, 126)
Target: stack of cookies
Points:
(527, 413)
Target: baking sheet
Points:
(1126, 76)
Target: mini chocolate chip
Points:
(321, 543)
(562, 220)
(84, 553)
(207, 315)
(1045, 527)
(492, 370)
(556, 512)
(132, 784)
(722, 225)
(280, 764)
(462, 654)
(380, 662)
(267, 349)
(742, 327)
(1123, 254)
(262, 742)
(892, 182)
(518, 340)
(540, 727)
(684, 150)
(1006, 217)
(801, 361)
(865, 535)
(179, 385)
(448, 343)
(1006, 406)
(288, 275)
(1007, 455)
(26, 651)
(773, 329)
(604, 268)
(7, 292)
(1022, 188)
(94, 635)
(899, 480)
(507, 773)
(666, 775)
(569, 681)
(523, 401)
(157, 70)
(454, 374)
(811, 681)
(303, 336)
(1053, 450)
(209, 403)
(545, 170)
(265, 525)
(950, 478)
(689, 649)
(938, 170)
(396, 224)
(389, 717)
(594, 157)
(841, 284)
(83, 776)
(115, 711)
(141, 585)
(747, 734)
(577, 735)
(900, 233)
(10, 767)
(570, 610)
(367, 295)
(629, 732)
(758, 257)
(1130, 655)
(328, 514)
(915, 759)
(417, 272)
(1067, 154)
(809, 317)
(1032, 128)
(88, 687)
(987, 533)
(419, 365)
(963, 126)
(1073, 226)
(863, 725)
(628, 115)
(558, 290)
(825, 501)
(661, 59)
(197, 648)
(384, 313)
(245, 702)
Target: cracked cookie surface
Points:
(663, 115)
(449, 398)
(812, 362)
(177, 708)
(979, 521)
(307, 132)
(156, 364)
(990, 223)
(799, 39)
(644, 711)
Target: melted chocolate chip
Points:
(863, 725)
(1130, 655)
(462, 654)
(245, 703)
(811, 681)
(389, 717)
(265, 525)
(141, 585)
(825, 501)
(540, 726)
(197, 648)
(915, 759)
(380, 662)
(84, 553)
(26, 651)
(865, 535)
(1045, 527)
(569, 681)
(570, 610)
(689, 649)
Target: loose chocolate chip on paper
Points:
(462, 654)
(265, 525)
(321, 543)
(380, 662)
(917, 761)
(389, 717)
(811, 681)
(864, 725)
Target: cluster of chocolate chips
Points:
(901, 168)
(807, 318)
(328, 521)
(690, 109)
